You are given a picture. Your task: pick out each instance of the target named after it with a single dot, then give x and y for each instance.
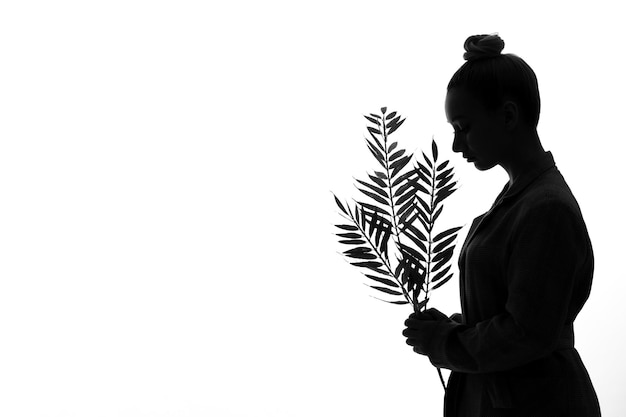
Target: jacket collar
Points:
(544, 163)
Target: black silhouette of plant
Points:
(407, 202)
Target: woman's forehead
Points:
(461, 103)
(456, 104)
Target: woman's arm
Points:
(550, 257)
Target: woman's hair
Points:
(494, 77)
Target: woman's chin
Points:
(481, 166)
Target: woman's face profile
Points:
(479, 133)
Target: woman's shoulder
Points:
(550, 192)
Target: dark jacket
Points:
(525, 273)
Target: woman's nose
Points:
(457, 143)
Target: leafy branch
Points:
(403, 201)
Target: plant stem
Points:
(443, 383)
(393, 207)
(430, 242)
(430, 235)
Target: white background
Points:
(166, 215)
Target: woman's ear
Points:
(511, 114)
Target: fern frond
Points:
(405, 201)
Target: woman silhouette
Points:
(526, 265)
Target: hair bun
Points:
(483, 46)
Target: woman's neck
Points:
(526, 151)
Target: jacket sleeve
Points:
(548, 254)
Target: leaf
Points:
(383, 281)
(446, 188)
(373, 130)
(392, 147)
(384, 243)
(379, 156)
(393, 122)
(404, 220)
(401, 178)
(415, 231)
(424, 204)
(446, 254)
(371, 119)
(381, 148)
(403, 188)
(368, 264)
(408, 271)
(446, 279)
(396, 302)
(443, 165)
(405, 197)
(412, 252)
(386, 290)
(340, 205)
(347, 227)
(362, 255)
(444, 174)
(420, 210)
(382, 235)
(430, 164)
(381, 175)
(405, 208)
(374, 208)
(374, 196)
(384, 273)
(405, 215)
(390, 115)
(441, 273)
(363, 216)
(350, 235)
(373, 222)
(358, 249)
(437, 213)
(443, 244)
(446, 233)
(419, 187)
(444, 181)
(395, 126)
(399, 164)
(399, 267)
(381, 227)
(422, 171)
(445, 192)
(383, 110)
(379, 190)
(439, 264)
(375, 116)
(378, 181)
(422, 218)
(413, 183)
(417, 242)
(435, 151)
(352, 242)
(396, 155)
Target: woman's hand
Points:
(420, 328)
